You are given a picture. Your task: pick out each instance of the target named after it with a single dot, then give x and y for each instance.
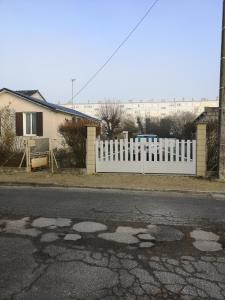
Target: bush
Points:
(65, 158)
(7, 134)
(212, 145)
(75, 133)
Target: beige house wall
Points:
(51, 119)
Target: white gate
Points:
(161, 156)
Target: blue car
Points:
(147, 137)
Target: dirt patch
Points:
(120, 181)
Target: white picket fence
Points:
(161, 156)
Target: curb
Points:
(55, 185)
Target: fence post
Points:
(201, 150)
(27, 151)
(90, 150)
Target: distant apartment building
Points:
(143, 109)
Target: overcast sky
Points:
(175, 53)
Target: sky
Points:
(175, 53)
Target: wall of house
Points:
(51, 120)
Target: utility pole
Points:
(221, 158)
(73, 79)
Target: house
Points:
(34, 116)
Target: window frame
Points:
(31, 123)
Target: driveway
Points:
(104, 244)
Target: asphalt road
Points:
(116, 205)
(146, 245)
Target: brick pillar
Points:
(201, 149)
(90, 149)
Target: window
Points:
(30, 123)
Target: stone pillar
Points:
(90, 150)
(201, 150)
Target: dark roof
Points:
(51, 106)
(30, 93)
(27, 92)
(210, 113)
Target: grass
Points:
(119, 181)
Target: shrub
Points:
(75, 133)
(7, 133)
(212, 145)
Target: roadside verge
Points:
(115, 181)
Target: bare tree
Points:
(111, 115)
(130, 125)
(180, 126)
(141, 125)
(183, 125)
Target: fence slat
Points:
(116, 150)
(171, 150)
(136, 150)
(188, 151)
(149, 150)
(193, 151)
(131, 148)
(166, 150)
(126, 149)
(177, 150)
(160, 150)
(111, 150)
(101, 151)
(155, 149)
(121, 150)
(106, 151)
(143, 153)
(182, 150)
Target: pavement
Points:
(58, 243)
(169, 208)
(114, 181)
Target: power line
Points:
(116, 50)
